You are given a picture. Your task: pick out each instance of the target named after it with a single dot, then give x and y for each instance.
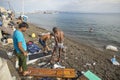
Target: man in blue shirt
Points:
(20, 47)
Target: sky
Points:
(83, 6)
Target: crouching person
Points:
(43, 41)
(20, 47)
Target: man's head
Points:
(55, 29)
(23, 26)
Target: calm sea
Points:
(106, 27)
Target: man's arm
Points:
(63, 36)
(21, 49)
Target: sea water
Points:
(105, 26)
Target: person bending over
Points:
(43, 41)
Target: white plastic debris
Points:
(10, 54)
(58, 66)
(94, 63)
(43, 63)
(88, 64)
(82, 72)
(114, 61)
(110, 47)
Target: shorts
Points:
(42, 42)
(60, 45)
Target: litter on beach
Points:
(10, 54)
(40, 64)
(114, 61)
(110, 47)
(91, 76)
(90, 64)
(56, 66)
(32, 47)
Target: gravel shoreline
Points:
(78, 55)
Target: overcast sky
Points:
(66, 5)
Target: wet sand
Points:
(80, 54)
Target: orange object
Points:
(59, 73)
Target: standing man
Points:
(20, 47)
(59, 38)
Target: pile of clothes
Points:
(32, 48)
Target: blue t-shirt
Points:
(19, 37)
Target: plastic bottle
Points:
(114, 59)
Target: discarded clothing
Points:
(114, 61)
(32, 48)
(42, 42)
(113, 48)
